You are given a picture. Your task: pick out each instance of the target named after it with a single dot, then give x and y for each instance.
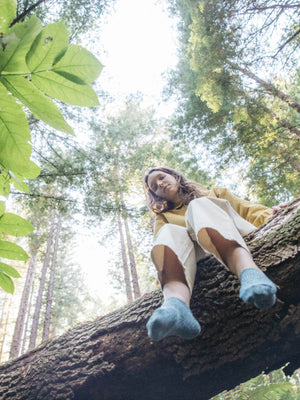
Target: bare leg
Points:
(173, 279)
(256, 287)
(235, 257)
(174, 317)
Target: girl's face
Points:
(164, 185)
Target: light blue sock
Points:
(257, 288)
(173, 318)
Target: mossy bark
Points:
(112, 358)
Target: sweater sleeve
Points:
(256, 214)
(160, 221)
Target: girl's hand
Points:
(275, 209)
(278, 208)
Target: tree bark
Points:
(51, 283)
(19, 327)
(38, 305)
(125, 263)
(113, 359)
(134, 275)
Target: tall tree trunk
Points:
(5, 326)
(269, 87)
(134, 275)
(4, 305)
(37, 311)
(125, 264)
(19, 327)
(24, 340)
(112, 358)
(51, 283)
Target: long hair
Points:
(188, 191)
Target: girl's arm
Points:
(256, 214)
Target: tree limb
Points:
(25, 12)
(112, 358)
(287, 42)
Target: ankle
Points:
(178, 290)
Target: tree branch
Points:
(287, 42)
(25, 12)
(112, 358)
(272, 7)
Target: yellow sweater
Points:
(256, 214)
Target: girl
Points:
(191, 223)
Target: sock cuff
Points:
(252, 275)
(175, 301)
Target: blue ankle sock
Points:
(173, 318)
(257, 288)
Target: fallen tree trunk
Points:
(112, 358)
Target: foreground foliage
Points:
(274, 386)
(36, 64)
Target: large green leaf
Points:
(15, 149)
(14, 225)
(9, 270)
(7, 13)
(18, 43)
(51, 42)
(40, 105)
(12, 251)
(6, 283)
(63, 89)
(78, 63)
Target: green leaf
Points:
(12, 251)
(15, 150)
(4, 184)
(60, 88)
(52, 41)
(32, 172)
(6, 283)
(9, 270)
(18, 43)
(2, 208)
(15, 225)
(80, 63)
(19, 185)
(7, 12)
(40, 105)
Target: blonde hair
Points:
(188, 191)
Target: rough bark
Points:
(38, 305)
(112, 358)
(125, 263)
(47, 319)
(134, 275)
(19, 327)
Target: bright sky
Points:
(139, 42)
(136, 45)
